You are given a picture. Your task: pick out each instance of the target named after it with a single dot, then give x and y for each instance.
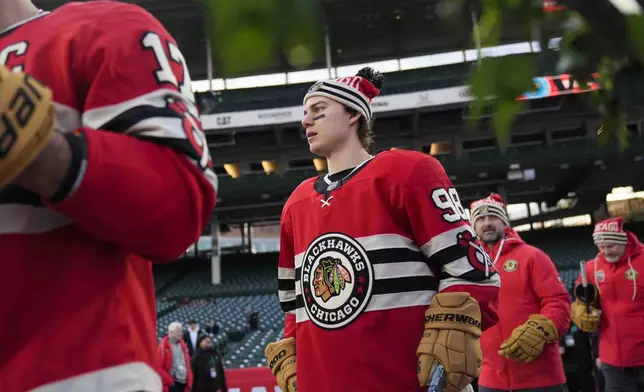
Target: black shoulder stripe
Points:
(405, 285)
(288, 306)
(474, 275)
(447, 255)
(13, 194)
(133, 116)
(286, 284)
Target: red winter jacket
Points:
(530, 285)
(165, 354)
(621, 298)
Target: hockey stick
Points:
(588, 297)
(437, 382)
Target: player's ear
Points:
(354, 118)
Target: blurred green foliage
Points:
(249, 35)
(596, 38)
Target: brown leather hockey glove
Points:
(528, 339)
(585, 320)
(281, 360)
(26, 122)
(451, 337)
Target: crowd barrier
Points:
(259, 379)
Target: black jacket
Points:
(186, 338)
(202, 364)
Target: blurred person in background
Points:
(176, 372)
(521, 352)
(121, 178)
(380, 274)
(191, 336)
(252, 319)
(614, 306)
(213, 328)
(208, 368)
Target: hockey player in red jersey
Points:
(380, 273)
(125, 179)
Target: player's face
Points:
(489, 229)
(612, 252)
(327, 125)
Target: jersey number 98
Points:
(447, 200)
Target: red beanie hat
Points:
(610, 231)
(356, 92)
(492, 205)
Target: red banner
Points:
(554, 86)
(552, 6)
(259, 379)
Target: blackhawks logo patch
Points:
(510, 265)
(337, 280)
(631, 274)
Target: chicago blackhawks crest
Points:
(337, 279)
(475, 253)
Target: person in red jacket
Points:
(176, 373)
(521, 352)
(618, 310)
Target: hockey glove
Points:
(26, 122)
(528, 340)
(451, 337)
(281, 360)
(587, 321)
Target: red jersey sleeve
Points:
(555, 302)
(440, 226)
(143, 176)
(286, 274)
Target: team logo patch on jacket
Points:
(510, 265)
(600, 276)
(631, 274)
(337, 280)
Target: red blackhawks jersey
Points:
(76, 284)
(361, 258)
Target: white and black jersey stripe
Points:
(402, 276)
(402, 273)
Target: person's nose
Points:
(307, 121)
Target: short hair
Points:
(173, 326)
(365, 129)
(192, 322)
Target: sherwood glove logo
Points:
(277, 358)
(22, 106)
(336, 282)
(452, 318)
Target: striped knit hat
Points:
(492, 205)
(356, 92)
(610, 231)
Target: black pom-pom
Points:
(375, 77)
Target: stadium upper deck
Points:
(358, 31)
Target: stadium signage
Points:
(545, 87)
